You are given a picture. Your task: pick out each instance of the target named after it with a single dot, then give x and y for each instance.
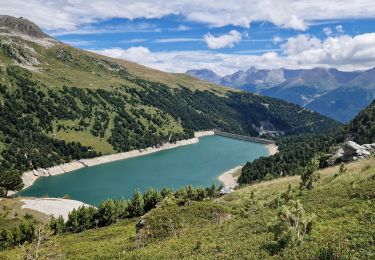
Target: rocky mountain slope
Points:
(60, 103)
(337, 94)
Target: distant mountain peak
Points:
(205, 74)
(21, 26)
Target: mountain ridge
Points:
(311, 88)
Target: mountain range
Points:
(331, 92)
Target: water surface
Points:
(197, 164)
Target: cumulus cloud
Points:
(223, 41)
(303, 51)
(70, 15)
(339, 29)
(327, 31)
(276, 39)
(341, 51)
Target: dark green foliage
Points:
(295, 153)
(362, 127)
(136, 205)
(292, 225)
(57, 225)
(24, 232)
(309, 175)
(151, 197)
(10, 180)
(213, 191)
(110, 211)
(81, 219)
(166, 192)
(26, 116)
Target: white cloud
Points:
(327, 31)
(339, 29)
(223, 41)
(80, 43)
(343, 51)
(70, 15)
(109, 29)
(276, 39)
(304, 51)
(135, 40)
(177, 39)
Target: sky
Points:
(224, 36)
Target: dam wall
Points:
(244, 137)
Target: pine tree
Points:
(292, 224)
(151, 197)
(310, 175)
(10, 180)
(136, 205)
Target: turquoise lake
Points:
(197, 164)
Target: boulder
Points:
(226, 190)
(351, 151)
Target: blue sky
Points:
(172, 33)
(180, 35)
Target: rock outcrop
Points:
(351, 151)
(22, 26)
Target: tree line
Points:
(107, 213)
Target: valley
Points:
(104, 158)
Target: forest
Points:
(295, 152)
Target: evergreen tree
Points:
(310, 175)
(57, 225)
(10, 180)
(136, 205)
(292, 224)
(166, 192)
(151, 197)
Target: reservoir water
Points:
(197, 164)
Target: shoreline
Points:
(230, 181)
(30, 177)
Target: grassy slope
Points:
(344, 206)
(11, 213)
(54, 73)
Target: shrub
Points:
(292, 224)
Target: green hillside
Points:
(362, 128)
(298, 150)
(242, 224)
(60, 103)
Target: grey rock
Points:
(351, 151)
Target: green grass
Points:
(236, 226)
(11, 213)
